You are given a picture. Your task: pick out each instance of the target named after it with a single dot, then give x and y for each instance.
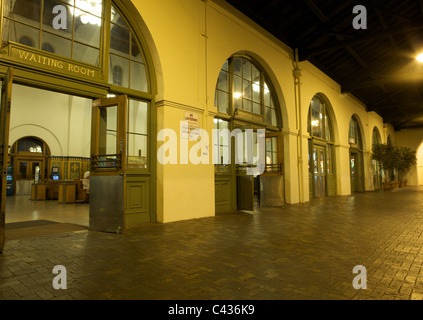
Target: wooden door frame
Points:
(323, 146)
(122, 106)
(6, 96)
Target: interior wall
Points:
(62, 121)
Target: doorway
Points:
(29, 163)
(356, 171)
(248, 167)
(50, 137)
(353, 168)
(319, 172)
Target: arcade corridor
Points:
(303, 251)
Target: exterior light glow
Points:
(315, 123)
(420, 58)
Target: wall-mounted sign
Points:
(38, 59)
(191, 121)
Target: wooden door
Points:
(244, 181)
(319, 171)
(330, 171)
(271, 188)
(6, 94)
(354, 171)
(108, 165)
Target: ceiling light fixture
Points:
(420, 58)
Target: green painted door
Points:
(330, 171)
(319, 171)
(377, 175)
(245, 191)
(353, 168)
(357, 173)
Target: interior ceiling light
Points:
(420, 58)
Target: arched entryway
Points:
(376, 168)
(247, 106)
(29, 162)
(356, 155)
(58, 73)
(321, 155)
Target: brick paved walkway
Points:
(303, 251)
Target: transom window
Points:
(376, 139)
(78, 38)
(75, 27)
(125, 53)
(354, 134)
(319, 124)
(242, 85)
(29, 144)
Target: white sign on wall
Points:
(191, 122)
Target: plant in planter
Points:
(388, 156)
(406, 161)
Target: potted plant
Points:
(407, 160)
(388, 157)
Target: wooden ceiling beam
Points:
(308, 52)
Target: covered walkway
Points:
(305, 251)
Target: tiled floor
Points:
(305, 251)
(22, 208)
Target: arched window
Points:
(319, 124)
(29, 155)
(376, 168)
(244, 88)
(47, 47)
(246, 101)
(354, 137)
(125, 51)
(376, 138)
(26, 41)
(356, 156)
(80, 36)
(29, 144)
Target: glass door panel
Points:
(270, 189)
(353, 165)
(108, 147)
(319, 171)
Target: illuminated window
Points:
(242, 85)
(117, 75)
(32, 145)
(319, 124)
(80, 35)
(125, 51)
(376, 138)
(353, 132)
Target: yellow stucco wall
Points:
(192, 40)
